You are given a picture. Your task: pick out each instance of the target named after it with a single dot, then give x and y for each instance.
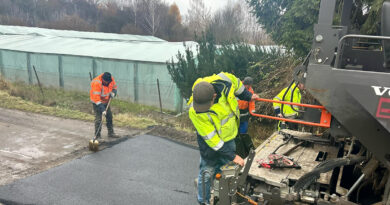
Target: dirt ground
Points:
(32, 143)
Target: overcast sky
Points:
(212, 4)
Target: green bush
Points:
(233, 56)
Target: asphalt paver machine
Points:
(349, 75)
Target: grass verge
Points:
(76, 105)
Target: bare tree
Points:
(199, 16)
(226, 23)
(252, 31)
(151, 16)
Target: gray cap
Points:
(202, 96)
(247, 81)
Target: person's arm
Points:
(252, 106)
(245, 95)
(277, 106)
(114, 88)
(95, 93)
(239, 89)
(230, 154)
(227, 152)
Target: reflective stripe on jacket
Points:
(220, 123)
(99, 93)
(296, 98)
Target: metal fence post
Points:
(2, 72)
(60, 72)
(159, 95)
(135, 82)
(94, 68)
(29, 70)
(178, 100)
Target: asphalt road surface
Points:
(31, 143)
(141, 170)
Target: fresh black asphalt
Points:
(142, 170)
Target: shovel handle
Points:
(108, 104)
(101, 122)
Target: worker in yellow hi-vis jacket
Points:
(289, 111)
(215, 114)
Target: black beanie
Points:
(107, 77)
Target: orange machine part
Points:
(325, 115)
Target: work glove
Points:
(101, 108)
(113, 93)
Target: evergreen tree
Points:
(290, 22)
(190, 67)
(234, 57)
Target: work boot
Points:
(113, 135)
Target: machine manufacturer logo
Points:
(383, 110)
(380, 91)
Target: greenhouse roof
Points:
(158, 52)
(34, 31)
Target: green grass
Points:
(76, 105)
(72, 104)
(12, 102)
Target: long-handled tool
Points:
(94, 143)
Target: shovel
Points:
(94, 143)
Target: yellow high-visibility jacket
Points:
(220, 123)
(296, 98)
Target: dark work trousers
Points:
(98, 120)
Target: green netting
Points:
(14, 66)
(67, 59)
(137, 81)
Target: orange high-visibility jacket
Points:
(243, 105)
(99, 93)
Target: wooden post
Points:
(159, 95)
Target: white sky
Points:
(212, 4)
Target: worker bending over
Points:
(103, 87)
(215, 115)
(289, 111)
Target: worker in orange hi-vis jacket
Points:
(245, 106)
(103, 87)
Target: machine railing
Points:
(339, 52)
(325, 115)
